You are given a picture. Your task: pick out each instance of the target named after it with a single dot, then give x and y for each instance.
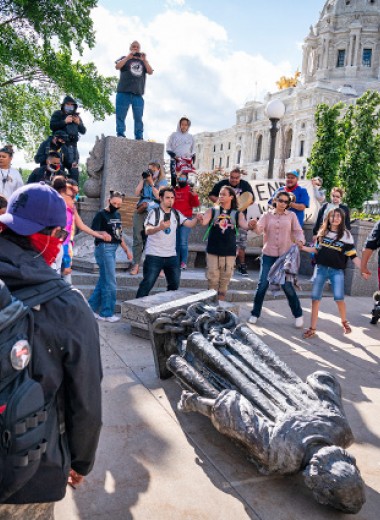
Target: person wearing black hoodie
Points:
(68, 119)
(66, 351)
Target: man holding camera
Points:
(130, 89)
(68, 119)
(147, 189)
(161, 230)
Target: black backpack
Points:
(23, 412)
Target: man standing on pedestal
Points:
(130, 89)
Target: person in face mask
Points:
(147, 189)
(69, 120)
(47, 173)
(66, 350)
(103, 299)
(186, 198)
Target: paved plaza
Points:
(154, 463)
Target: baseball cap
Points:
(34, 207)
(293, 172)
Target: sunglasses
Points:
(283, 201)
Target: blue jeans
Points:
(183, 234)
(262, 287)
(103, 299)
(152, 267)
(123, 101)
(337, 282)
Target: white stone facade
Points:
(341, 60)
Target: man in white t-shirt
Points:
(160, 250)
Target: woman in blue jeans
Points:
(280, 228)
(334, 246)
(103, 299)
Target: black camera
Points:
(137, 54)
(146, 174)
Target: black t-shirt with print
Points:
(110, 222)
(334, 253)
(132, 77)
(222, 236)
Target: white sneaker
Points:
(96, 315)
(299, 322)
(112, 319)
(253, 320)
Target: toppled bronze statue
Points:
(251, 396)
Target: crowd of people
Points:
(38, 222)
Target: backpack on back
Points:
(23, 412)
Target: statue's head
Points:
(335, 480)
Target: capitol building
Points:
(341, 60)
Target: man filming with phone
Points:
(160, 250)
(130, 89)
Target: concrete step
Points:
(190, 279)
(241, 289)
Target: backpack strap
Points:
(175, 211)
(215, 212)
(156, 215)
(234, 220)
(34, 295)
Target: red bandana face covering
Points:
(46, 245)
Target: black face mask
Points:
(112, 208)
(182, 184)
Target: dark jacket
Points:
(321, 211)
(43, 174)
(66, 361)
(57, 122)
(66, 153)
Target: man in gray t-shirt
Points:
(130, 89)
(160, 250)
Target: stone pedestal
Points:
(133, 311)
(354, 283)
(124, 162)
(87, 208)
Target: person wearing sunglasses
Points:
(280, 228)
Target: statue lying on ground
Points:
(251, 396)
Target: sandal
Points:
(346, 327)
(309, 333)
(134, 270)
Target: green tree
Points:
(359, 169)
(205, 183)
(327, 149)
(38, 39)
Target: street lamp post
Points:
(275, 110)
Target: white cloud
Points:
(196, 72)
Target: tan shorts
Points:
(219, 272)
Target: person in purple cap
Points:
(66, 350)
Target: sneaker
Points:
(96, 315)
(112, 319)
(299, 322)
(243, 270)
(183, 266)
(253, 320)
